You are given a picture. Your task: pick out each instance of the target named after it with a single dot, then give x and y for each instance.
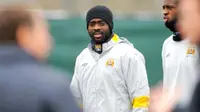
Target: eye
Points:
(170, 7)
(102, 23)
(91, 24)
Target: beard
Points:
(171, 25)
(105, 36)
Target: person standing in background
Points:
(188, 16)
(179, 57)
(110, 74)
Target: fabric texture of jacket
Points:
(180, 68)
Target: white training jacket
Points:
(180, 67)
(113, 81)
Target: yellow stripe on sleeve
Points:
(141, 102)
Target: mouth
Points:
(165, 19)
(98, 36)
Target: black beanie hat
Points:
(102, 12)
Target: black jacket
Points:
(27, 85)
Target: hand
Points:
(161, 102)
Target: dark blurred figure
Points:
(26, 83)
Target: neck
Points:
(97, 47)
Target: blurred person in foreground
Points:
(189, 17)
(110, 74)
(179, 57)
(27, 84)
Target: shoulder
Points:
(168, 40)
(41, 72)
(37, 76)
(167, 43)
(53, 85)
(129, 51)
(83, 53)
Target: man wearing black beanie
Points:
(103, 15)
(110, 74)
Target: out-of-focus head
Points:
(28, 29)
(189, 16)
(170, 14)
(99, 23)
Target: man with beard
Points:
(179, 57)
(110, 74)
(188, 13)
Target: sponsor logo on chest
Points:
(110, 62)
(191, 51)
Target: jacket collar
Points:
(107, 45)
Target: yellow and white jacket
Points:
(113, 81)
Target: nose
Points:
(165, 11)
(97, 27)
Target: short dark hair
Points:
(11, 18)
